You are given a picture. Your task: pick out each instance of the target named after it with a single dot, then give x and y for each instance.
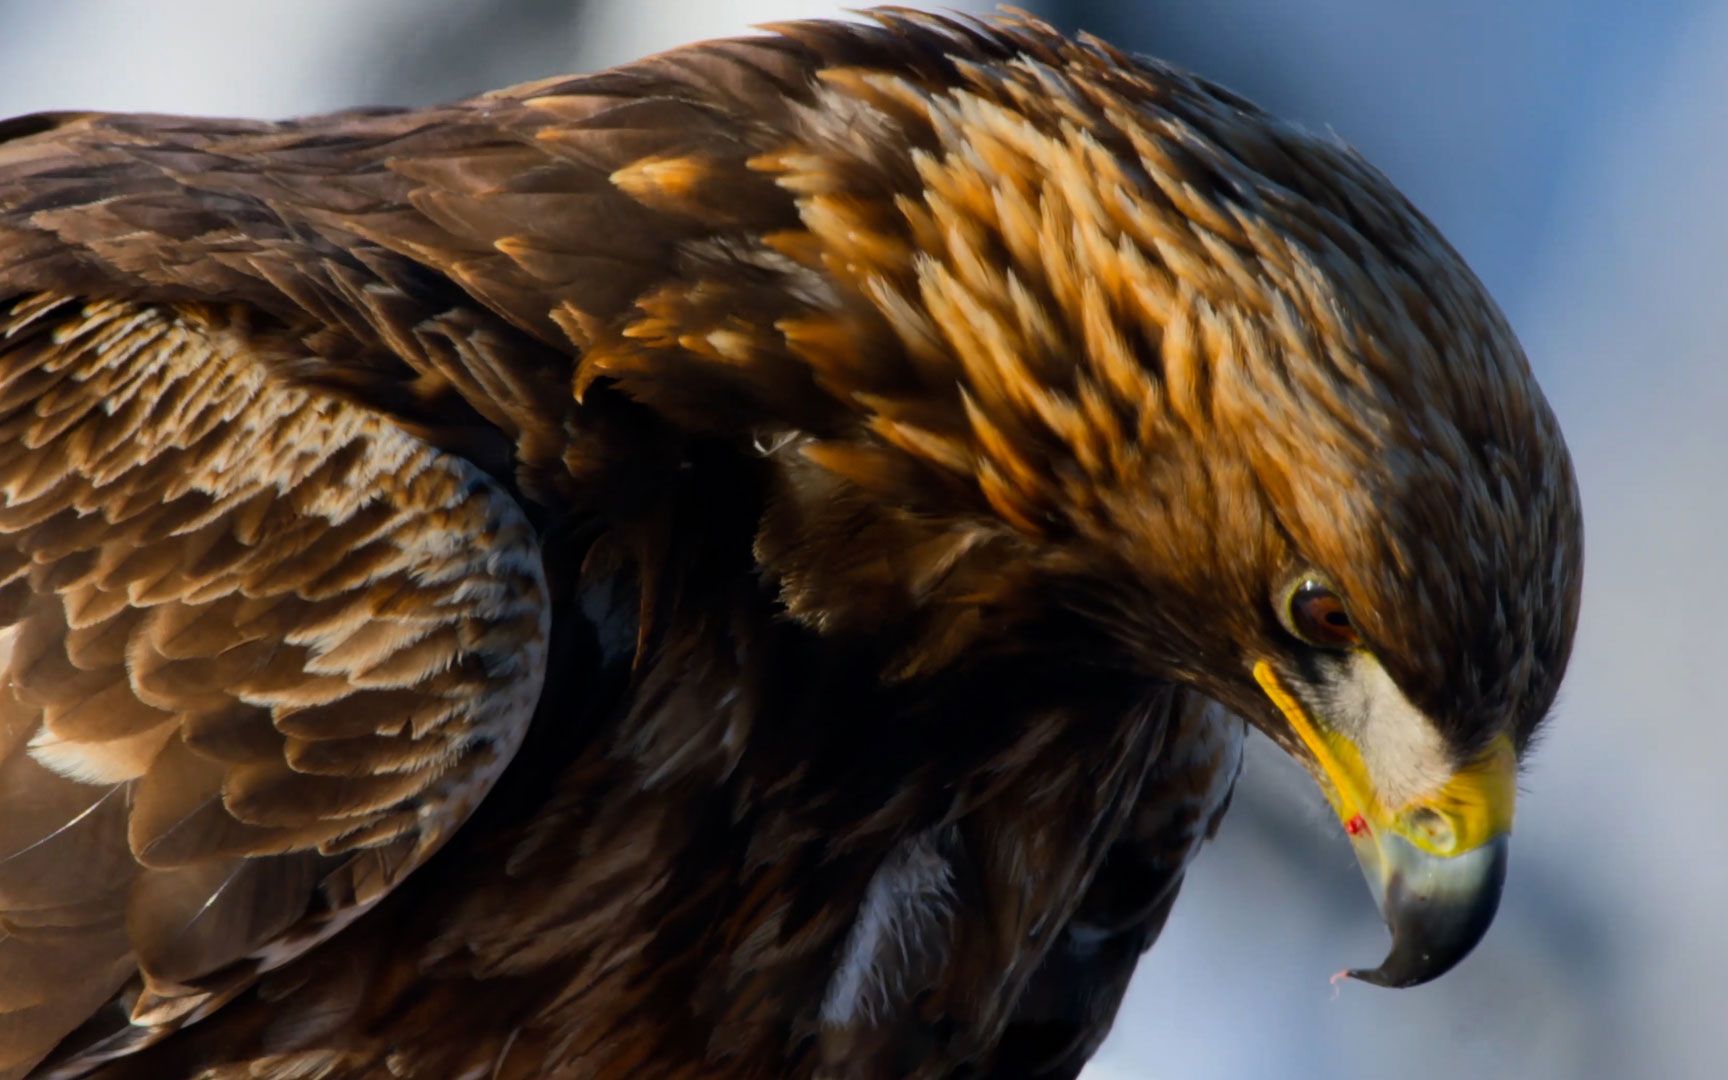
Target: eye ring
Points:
(1316, 614)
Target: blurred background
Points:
(1576, 152)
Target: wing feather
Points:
(1071, 1001)
(263, 653)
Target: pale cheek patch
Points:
(1403, 752)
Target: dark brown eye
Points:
(1317, 616)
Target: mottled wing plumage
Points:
(844, 767)
(280, 219)
(263, 652)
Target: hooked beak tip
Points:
(1438, 910)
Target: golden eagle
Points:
(741, 565)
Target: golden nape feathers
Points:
(744, 564)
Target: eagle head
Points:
(1202, 377)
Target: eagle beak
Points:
(1436, 864)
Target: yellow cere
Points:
(1473, 807)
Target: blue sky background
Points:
(1576, 152)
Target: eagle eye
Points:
(1316, 614)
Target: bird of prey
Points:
(747, 564)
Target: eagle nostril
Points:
(1432, 826)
